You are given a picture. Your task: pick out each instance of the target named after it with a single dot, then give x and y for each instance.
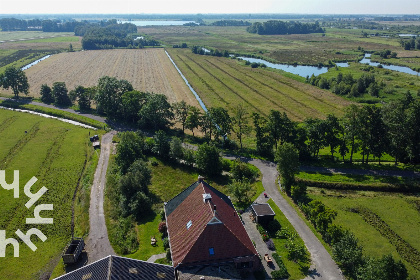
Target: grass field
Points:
(336, 45)
(147, 69)
(56, 153)
(225, 82)
(400, 212)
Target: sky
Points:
(210, 6)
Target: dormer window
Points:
(211, 251)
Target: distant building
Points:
(205, 229)
(116, 268)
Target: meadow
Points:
(58, 155)
(335, 45)
(399, 214)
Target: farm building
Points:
(262, 213)
(204, 229)
(113, 268)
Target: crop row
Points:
(224, 85)
(406, 251)
(289, 112)
(7, 122)
(288, 91)
(208, 86)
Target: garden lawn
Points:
(294, 269)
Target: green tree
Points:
(207, 125)
(385, 268)
(156, 113)
(240, 190)
(240, 121)
(287, 158)
(351, 126)
(132, 101)
(208, 159)
(46, 94)
(222, 119)
(60, 93)
(109, 96)
(176, 149)
(181, 110)
(321, 215)
(15, 79)
(241, 171)
(82, 96)
(332, 130)
(348, 253)
(193, 119)
(264, 143)
(162, 146)
(315, 129)
(129, 149)
(274, 126)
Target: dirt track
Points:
(97, 244)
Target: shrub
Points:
(270, 244)
(162, 227)
(165, 242)
(265, 237)
(162, 214)
(282, 272)
(241, 171)
(168, 255)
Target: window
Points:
(211, 251)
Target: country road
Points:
(97, 244)
(323, 266)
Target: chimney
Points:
(214, 208)
(200, 178)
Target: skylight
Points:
(211, 251)
(189, 224)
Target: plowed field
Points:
(148, 70)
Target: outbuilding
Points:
(262, 213)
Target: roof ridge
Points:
(181, 192)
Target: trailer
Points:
(73, 250)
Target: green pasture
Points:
(56, 153)
(303, 49)
(400, 212)
(30, 35)
(225, 82)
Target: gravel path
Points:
(24, 101)
(323, 266)
(97, 244)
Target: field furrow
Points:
(259, 91)
(148, 70)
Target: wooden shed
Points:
(262, 212)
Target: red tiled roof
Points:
(228, 238)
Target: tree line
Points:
(229, 22)
(277, 27)
(393, 128)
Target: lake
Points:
(301, 70)
(156, 22)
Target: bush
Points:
(162, 214)
(270, 244)
(165, 242)
(162, 227)
(168, 255)
(282, 272)
(240, 171)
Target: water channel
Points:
(35, 62)
(305, 71)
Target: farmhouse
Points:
(204, 229)
(113, 268)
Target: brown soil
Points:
(148, 70)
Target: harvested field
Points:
(225, 82)
(148, 70)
